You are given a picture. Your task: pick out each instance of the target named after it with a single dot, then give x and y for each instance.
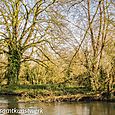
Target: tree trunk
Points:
(14, 62)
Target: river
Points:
(10, 106)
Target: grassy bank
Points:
(54, 93)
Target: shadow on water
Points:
(11, 103)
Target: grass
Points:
(43, 90)
(49, 92)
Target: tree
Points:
(24, 27)
(92, 20)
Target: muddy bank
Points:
(76, 98)
(65, 98)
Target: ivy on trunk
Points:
(14, 62)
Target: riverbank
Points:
(75, 98)
(43, 93)
(64, 98)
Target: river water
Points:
(11, 106)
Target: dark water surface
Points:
(78, 108)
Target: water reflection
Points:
(93, 108)
(12, 103)
(8, 103)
